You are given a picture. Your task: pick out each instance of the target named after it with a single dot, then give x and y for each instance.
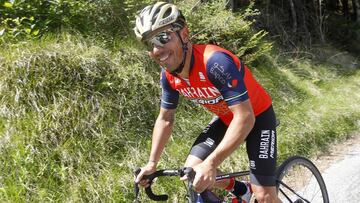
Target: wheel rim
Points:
(301, 176)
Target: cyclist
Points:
(215, 78)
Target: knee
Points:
(265, 197)
(262, 197)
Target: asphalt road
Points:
(343, 178)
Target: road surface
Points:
(342, 178)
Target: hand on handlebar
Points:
(204, 178)
(150, 177)
(146, 170)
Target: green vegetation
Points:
(77, 108)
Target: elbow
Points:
(169, 123)
(166, 122)
(246, 119)
(249, 119)
(166, 117)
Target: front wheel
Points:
(299, 181)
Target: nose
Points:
(156, 50)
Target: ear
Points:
(185, 34)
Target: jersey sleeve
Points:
(169, 96)
(227, 78)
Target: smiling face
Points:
(170, 54)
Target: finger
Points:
(137, 179)
(139, 176)
(144, 184)
(183, 178)
(199, 189)
(197, 186)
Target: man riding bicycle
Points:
(215, 78)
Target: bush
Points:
(106, 19)
(213, 23)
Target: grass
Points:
(76, 118)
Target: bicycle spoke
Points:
(284, 194)
(293, 192)
(300, 181)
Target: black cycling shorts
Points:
(260, 145)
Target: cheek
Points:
(179, 53)
(175, 49)
(152, 56)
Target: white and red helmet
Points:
(158, 17)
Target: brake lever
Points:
(136, 185)
(190, 173)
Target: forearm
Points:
(161, 134)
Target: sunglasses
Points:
(158, 40)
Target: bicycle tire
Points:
(299, 181)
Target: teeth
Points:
(163, 58)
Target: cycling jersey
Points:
(217, 80)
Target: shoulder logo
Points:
(202, 77)
(233, 83)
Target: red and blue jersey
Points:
(217, 80)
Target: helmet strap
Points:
(184, 47)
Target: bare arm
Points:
(161, 134)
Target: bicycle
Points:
(298, 181)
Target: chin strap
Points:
(185, 49)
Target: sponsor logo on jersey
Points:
(177, 81)
(200, 92)
(202, 77)
(219, 73)
(202, 95)
(208, 101)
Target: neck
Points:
(186, 70)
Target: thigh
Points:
(208, 139)
(262, 149)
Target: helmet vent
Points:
(167, 12)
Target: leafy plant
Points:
(212, 23)
(21, 19)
